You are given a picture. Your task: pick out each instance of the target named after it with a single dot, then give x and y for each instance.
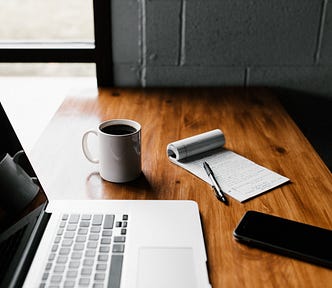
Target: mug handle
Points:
(18, 155)
(85, 147)
(16, 159)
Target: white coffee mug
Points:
(17, 188)
(119, 145)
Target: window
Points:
(58, 31)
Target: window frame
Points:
(98, 52)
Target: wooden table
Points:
(255, 125)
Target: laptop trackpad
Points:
(166, 267)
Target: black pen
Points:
(219, 193)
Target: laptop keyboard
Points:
(87, 252)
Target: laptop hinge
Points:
(30, 250)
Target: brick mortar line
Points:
(320, 32)
(182, 34)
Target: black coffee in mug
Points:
(118, 129)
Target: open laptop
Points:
(99, 243)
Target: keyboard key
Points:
(90, 253)
(99, 276)
(55, 248)
(119, 239)
(86, 217)
(45, 276)
(72, 273)
(73, 219)
(69, 284)
(51, 257)
(57, 240)
(67, 242)
(64, 251)
(105, 241)
(92, 244)
(94, 237)
(69, 234)
(109, 221)
(56, 279)
(118, 248)
(59, 268)
(104, 249)
(48, 266)
(62, 260)
(88, 262)
(84, 281)
(115, 271)
(81, 238)
(101, 267)
(98, 285)
(82, 231)
(95, 229)
(84, 224)
(86, 271)
(74, 264)
(107, 233)
(103, 257)
(97, 220)
(78, 247)
(76, 255)
(125, 217)
(71, 227)
(60, 231)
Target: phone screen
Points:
(303, 241)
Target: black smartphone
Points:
(302, 241)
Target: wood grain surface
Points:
(255, 125)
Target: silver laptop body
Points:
(102, 243)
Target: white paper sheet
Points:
(237, 176)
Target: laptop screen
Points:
(22, 198)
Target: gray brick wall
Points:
(283, 43)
